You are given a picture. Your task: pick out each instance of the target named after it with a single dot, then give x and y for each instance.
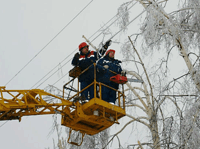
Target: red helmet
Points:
(83, 44)
(110, 50)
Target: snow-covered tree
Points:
(170, 103)
(166, 104)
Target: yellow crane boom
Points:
(88, 118)
(17, 103)
(14, 104)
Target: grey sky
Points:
(26, 27)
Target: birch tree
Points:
(170, 105)
(166, 32)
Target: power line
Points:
(68, 56)
(61, 78)
(53, 73)
(110, 38)
(49, 42)
(53, 69)
(4, 123)
(93, 40)
(115, 20)
(67, 61)
(128, 23)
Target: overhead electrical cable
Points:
(49, 42)
(61, 78)
(93, 40)
(128, 23)
(67, 57)
(53, 74)
(71, 53)
(116, 20)
(101, 33)
(110, 38)
(54, 68)
(4, 123)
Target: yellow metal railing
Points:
(95, 83)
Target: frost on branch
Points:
(127, 50)
(169, 132)
(159, 29)
(189, 19)
(197, 72)
(190, 127)
(123, 15)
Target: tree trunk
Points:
(154, 131)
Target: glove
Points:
(107, 44)
(123, 73)
(106, 66)
(77, 55)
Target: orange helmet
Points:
(82, 45)
(110, 50)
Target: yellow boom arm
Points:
(88, 118)
(17, 103)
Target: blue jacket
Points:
(103, 75)
(84, 61)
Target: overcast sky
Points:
(26, 27)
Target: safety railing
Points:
(121, 103)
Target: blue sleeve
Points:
(100, 62)
(101, 52)
(83, 64)
(115, 66)
(100, 65)
(75, 61)
(119, 68)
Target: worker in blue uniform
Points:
(108, 62)
(84, 59)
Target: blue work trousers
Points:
(108, 94)
(89, 90)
